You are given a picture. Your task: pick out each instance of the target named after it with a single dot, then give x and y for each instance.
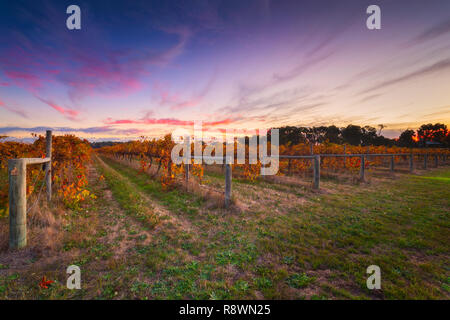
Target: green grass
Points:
(401, 225)
(273, 248)
(175, 200)
(128, 197)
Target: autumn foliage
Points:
(70, 156)
(156, 153)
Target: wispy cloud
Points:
(13, 110)
(96, 65)
(89, 130)
(166, 121)
(370, 97)
(432, 33)
(434, 68)
(68, 113)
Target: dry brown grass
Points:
(43, 229)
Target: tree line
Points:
(428, 135)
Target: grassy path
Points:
(138, 241)
(320, 245)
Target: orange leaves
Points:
(197, 170)
(157, 153)
(69, 158)
(44, 283)
(249, 171)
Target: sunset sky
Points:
(147, 67)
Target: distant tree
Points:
(291, 134)
(432, 132)
(406, 139)
(314, 135)
(383, 141)
(352, 134)
(333, 134)
(447, 140)
(368, 135)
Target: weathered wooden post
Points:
(392, 164)
(436, 160)
(316, 184)
(345, 159)
(227, 185)
(48, 165)
(289, 167)
(425, 161)
(17, 170)
(411, 163)
(186, 174)
(187, 160)
(362, 174)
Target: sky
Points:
(145, 68)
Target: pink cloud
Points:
(68, 113)
(13, 110)
(166, 121)
(186, 104)
(90, 69)
(24, 79)
(174, 100)
(150, 121)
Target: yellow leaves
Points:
(197, 170)
(4, 212)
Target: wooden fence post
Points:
(48, 165)
(227, 185)
(411, 163)
(188, 161)
(17, 170)
(436, 160)
(362, 174)
(425, 161)
(289, 167)
(345, 159)
(316, 184)
(392, 164)
(186, 174)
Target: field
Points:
(138, 239)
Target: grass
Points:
(283, 244)
(175, 200)
(336, 236)
(128, 197)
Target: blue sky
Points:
(147, 67)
